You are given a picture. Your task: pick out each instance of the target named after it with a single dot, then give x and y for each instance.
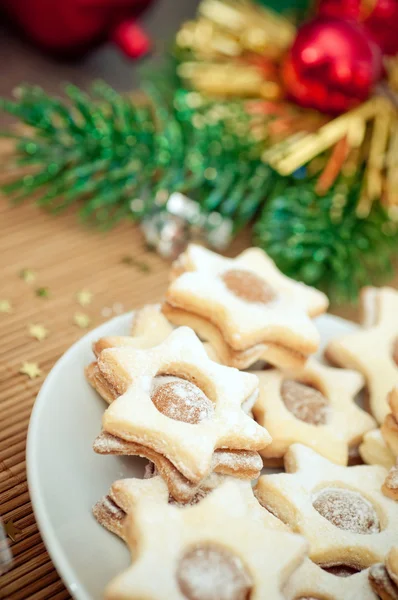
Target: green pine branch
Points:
(323, 242)
(105, 150)
(121, 158)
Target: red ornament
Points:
(71, 26)
(379, 17)
(333, 65)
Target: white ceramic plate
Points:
(66, 477)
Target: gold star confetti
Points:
(39, 332)
(30, 369)
(43, 292)
(28, 275)
(5, 306)
(133, 262)
(81, 320)
(84, 297)
(11, 530)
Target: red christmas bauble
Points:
(332, 66)
(69, 27)
(379, 17)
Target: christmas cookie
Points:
(111, 511)
(384, 577)
(340, 510)
(390, 486)
(389, 428)
(334, 583)
(243, 464)
(245, 307)
(314, 405)
(177, 402)
(220, 548)
(149, 328)
(374, 450)
(374, 349)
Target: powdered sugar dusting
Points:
(213, 573)
(392, 478)
(381, 582)
(237, 460)
(107, 443)
(248, 286)
(347, 510)
(181, 400)
(305, 402)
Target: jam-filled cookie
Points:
(340, 510)
(389, 428)
(218, 549)
(315, 406)
(383, 577)
(176, 402)
(245, 307)
(111, 511)
(312, 582)
(374, 450)
(243, 464)
(373, 350)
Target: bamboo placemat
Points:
(66, 258)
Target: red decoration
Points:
(72, 26)
(379, 17)
(332, 66)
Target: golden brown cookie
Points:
(179, 403)
(149, 328)
(373, 351)
(336, 583)
(374, 450)
(384, 577)
(245, 307)
(390, 485)
(111, 511)
(389, 428)
(315, 406)
(242, 464)
(213, 549)
(340, 510)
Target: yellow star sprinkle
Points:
(30, 369)
(5, 306)
(11, 530)
(39, 332)
(84, 297)
(28, 275)
(81, 320)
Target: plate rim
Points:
(45, 527)
(46, 530)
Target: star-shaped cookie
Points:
(389, 428)
(390, 486)
(149, 328)
(340, 510)
(311, 581)
(245, 307)
(220, 546)
(184, 420)
(314, 405)
(374, 349)
(383, 577)
(111, 511)
(243, 464)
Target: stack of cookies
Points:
(220, 381)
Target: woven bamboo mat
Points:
(66, 258)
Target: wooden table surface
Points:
(66, 258)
